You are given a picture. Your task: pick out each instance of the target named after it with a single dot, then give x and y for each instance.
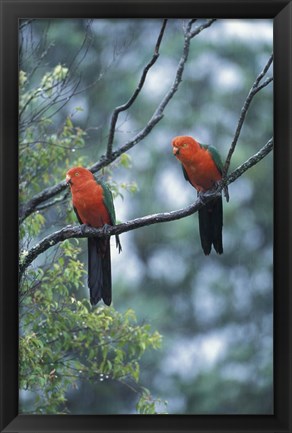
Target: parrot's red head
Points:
(184, 147)
(78, 175)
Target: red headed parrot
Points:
(93, 204)
(202, 167)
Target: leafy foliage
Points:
(148, 405)
(63, 341)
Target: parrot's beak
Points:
(175, 150)
(68, 180)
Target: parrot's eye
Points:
(76, 174)
(185, 145)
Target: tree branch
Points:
(53, 202)
(253, 91)
(198, 30)
(27, 257)
(253, 160)
(28, 208)
(180, 69)
(132, 99)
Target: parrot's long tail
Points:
(210, 226)
(99, 270)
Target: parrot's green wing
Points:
(215, 156)
(108, 201)
(109, 204)
(185, 174)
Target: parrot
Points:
(93, 205)
(202, 167)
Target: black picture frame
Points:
(281, 12)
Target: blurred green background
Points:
(215, 313)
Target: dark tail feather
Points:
(94, 271)
(118, 244)
(217, 225)
(106, 293)
(99, 271)
(210, 226)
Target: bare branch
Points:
(198, 30)
(39, 198)
(62, 89)
(25, 23)
(253, 91)
(181, 65)
(84, 48)
(128, 104)
(250, 162)
(86, 231)
(53, 202)
(33, 96)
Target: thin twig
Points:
(84, 232)
(198, 30)
(181, 65)
(128, 104)
(253, 91)
(53, 202)
(251, 161)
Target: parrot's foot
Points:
(202, 197)
(105, 229)
(83, 228)
(218, 188)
